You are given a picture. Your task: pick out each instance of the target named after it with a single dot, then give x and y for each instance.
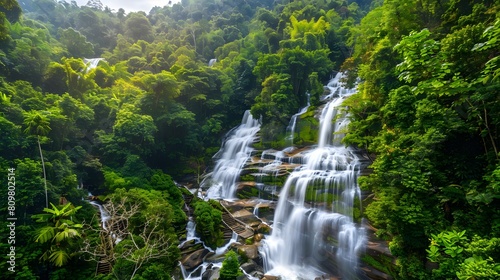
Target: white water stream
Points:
(197, 273)
(232, 156)
(91, 63)
(313, 222)
(293, 123)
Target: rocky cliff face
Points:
(260, 182)
(259, 187)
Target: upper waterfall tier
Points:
(234, 153)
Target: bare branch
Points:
(147, 241)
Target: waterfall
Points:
(104, 214)
(105, 217)
(256, 209)
(191, 235)
(91, 63)
(290, 129)
(223, 249)
(197, 274)
(232, 156)
(314, 219)
(190, 230)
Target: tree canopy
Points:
(121, 103)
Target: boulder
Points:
(257, 274)
(258, 237)
(213, 258)
(190, 247)
(250, 251)
(375, 274)
(263, 228)
(193, 260)
(211, 274)
(252, 267)
(270, 277)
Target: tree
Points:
(9, 10)
(208, 220)
(230, 269)
(161, 90)
(425, 108)
(76, 43)
(276, 100)
(134, 131)
(55, 79)
(38, 123)
(138, 27)
(61, 231)
(30, 53)
(137, 234)
(10, 138)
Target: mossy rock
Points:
(247, 191)
(248, 178)
(383, 264)
(216, 204)
(264, 229)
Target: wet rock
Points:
(257, 274)
(377, 251)
(247, 217)
(191, 261)
(250, 251)
(375, 274)
(252, 268)
(263, 228)
(190, 246)
(213, 258)
(187, 244)
(258, 237)
(270, 277)
(327, 277)
(211, 274)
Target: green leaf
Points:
(59, 258)
(45, 234)
(437, 83)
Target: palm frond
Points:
(45, 234)
(59, 258)
(66, 234)
(41, 217)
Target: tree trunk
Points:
(44, 174)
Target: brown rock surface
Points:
(250, 251)
(191, 261)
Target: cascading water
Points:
(91, 63)
(314, 232)
(293, 122)
(233, 155)
(104, 214)
(197, 273)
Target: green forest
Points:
(169, 83)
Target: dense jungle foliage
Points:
(173, 80)
(428, 108)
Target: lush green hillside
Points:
(428, 108)
(152, 109)
(156, 106)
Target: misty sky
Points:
(130, 5)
